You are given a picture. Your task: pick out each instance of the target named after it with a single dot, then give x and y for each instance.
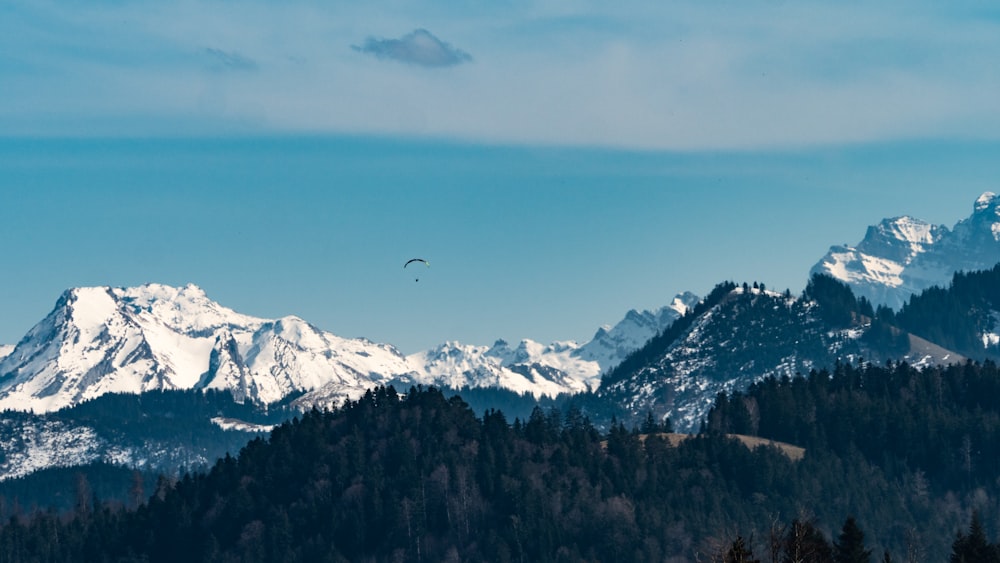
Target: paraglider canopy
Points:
(412, 260)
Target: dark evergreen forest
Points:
(898, 461)
(957, 316)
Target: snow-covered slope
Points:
(36, 443)
(129, 340)
(903, 256)
(5, 350)
(529, 367)
(612, 344)
(746, 336)
(100, 340)
(551, 369)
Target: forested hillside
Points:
(159, 431)
(957, 317)
(931, 436)
(421, 478)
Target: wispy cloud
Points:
(676, 75)
(220, 60)
(419, 47)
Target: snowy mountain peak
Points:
(130, 340)
(902, 256)
(983, 227)
(611, 345)
(908, 229)
(153, 337)
(89, 308)
(185, 308)
(987, 203)
(683, 302)
(634, 316)
(900, 239)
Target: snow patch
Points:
(240, 425)
(984, 201)
(51, 444)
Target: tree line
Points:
(421, 477)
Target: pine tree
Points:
(649, 425)
(974, 547)
(850, 546)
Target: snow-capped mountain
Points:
(737, 336)
(454, 364)
(100, 340)
(560, 367)
(902, 256)
(612, 344)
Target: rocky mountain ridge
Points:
(101, 340)
(740, 335)
(902, 256)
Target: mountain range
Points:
(671, 362)
(901, 256)
(154, 337)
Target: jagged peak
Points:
(152, 292)
(602, 332)
(142, 295)
(86, 292)
(634, 315)
(86, 306)
(450, 345)
(985, 202)
(984, 221)
(906, 229)
(683, 302)
(525, 343)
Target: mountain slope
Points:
(129, 340)
(740, 335)
(611, 345)
(902, 256)
(100, 340)
(963, 316)
(165, 432)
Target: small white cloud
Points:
(419, 47)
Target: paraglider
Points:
(412, 260)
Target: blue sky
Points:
(557, 162)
